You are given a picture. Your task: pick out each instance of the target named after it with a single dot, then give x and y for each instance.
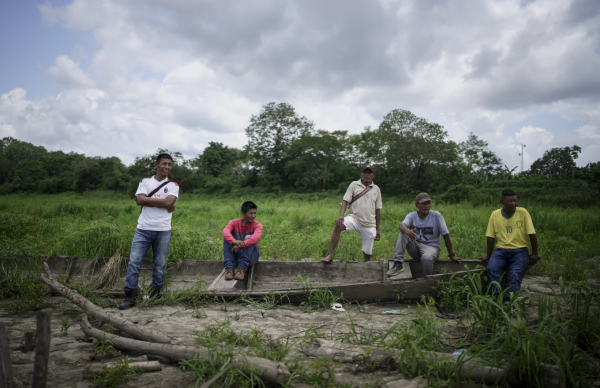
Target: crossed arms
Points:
(167, 203)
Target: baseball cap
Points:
(367, 167)
(423, 197)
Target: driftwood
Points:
(92, 310)
(42, 349)
(142, 366)
(270, 371)
(470, 368)
(6, 375)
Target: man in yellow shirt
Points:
(508, 228)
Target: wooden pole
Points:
(28, 345)
(6, 376)
(42, 349)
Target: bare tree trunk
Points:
(271, 371)
(92, 310)
(142, 366)
(470, 368)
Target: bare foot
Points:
(327, 260)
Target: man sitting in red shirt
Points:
(240, 245)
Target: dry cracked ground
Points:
(72, 352)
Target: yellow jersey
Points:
(510, 233)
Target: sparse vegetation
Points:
(104, 347)
(20, 289)
(112, 377)
(318, 298)
(256, 342)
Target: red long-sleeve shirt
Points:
(235, 230)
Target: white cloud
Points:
(588, 132)
(536, 141)
(67, 73)
(178, 74)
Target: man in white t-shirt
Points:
(420, 235)
(363, 198)
(156, 195)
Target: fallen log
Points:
(92, 310)
(141, 366)
(470, 368)
(270, 371)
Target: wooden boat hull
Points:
(358, 281)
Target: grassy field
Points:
(524, 335)
(295, 227)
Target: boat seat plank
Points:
(404, 275)
(221, 284)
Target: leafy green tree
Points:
(557, 162)
(89, 175)
(412, 154)
(319, 161)
(591, 172)
(216, 159)
(114, 176)
(28, 174)
(62, 172)
(270, 135)
(480, 161)
(14, 152)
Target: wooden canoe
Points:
(361, 281)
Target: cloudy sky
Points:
(123, 78)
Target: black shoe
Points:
(396, 269)
(130, 296)
(155, 293)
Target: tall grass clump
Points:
(100, 238)
(317, 298)
(20, 288)
(565, 331)
(223, 343)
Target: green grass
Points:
(295, 227)
(112, 377)
(20, 289)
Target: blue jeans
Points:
(244, 258)
(142, 241)
(514, 262)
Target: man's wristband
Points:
(451, 255)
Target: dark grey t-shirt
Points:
(429, 229)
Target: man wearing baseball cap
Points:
(363, 201)
(420, 235)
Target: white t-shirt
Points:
(156, 218)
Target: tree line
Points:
(286, 153)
